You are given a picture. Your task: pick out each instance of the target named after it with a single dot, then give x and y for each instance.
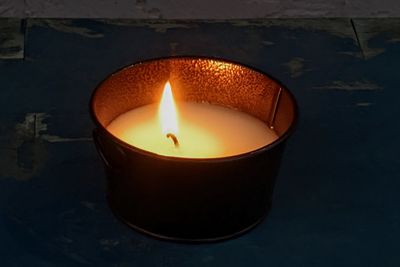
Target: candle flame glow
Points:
(167, 112)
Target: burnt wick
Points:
(173, 138)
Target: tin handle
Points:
(111, 153)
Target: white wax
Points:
(205, 131)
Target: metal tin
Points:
(182, 199)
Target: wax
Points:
(205, 131)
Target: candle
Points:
(221, 121)
(191, 129)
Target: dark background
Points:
(336, 200)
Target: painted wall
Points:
(198, 9)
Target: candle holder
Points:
(183, 199)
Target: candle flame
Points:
(167, 112)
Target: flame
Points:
(167, 112)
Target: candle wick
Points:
(173, 138)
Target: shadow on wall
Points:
(198, 9)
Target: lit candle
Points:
(201, 169)
(190, 129)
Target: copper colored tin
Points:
(183, 199)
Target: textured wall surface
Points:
(336, 200)
(196, 9)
